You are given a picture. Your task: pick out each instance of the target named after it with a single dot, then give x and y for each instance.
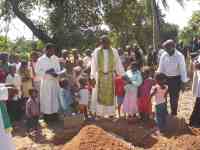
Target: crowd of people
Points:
(94, 84)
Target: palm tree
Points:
(153, 7)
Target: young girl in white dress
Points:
(84, 95)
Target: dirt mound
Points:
(94, 138)
(184, 142)
(187, 142)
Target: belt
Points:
(173, 77)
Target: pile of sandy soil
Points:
(189, 140)
(184, 142)
(94, 138)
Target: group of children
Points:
(135, 91)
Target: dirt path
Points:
(55, 136)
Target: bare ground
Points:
(107, 134)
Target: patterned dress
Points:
(131, 92)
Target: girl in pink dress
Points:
(160, 92)
(133, 80)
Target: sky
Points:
(176, 15)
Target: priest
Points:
(105, 65)
(47, 68)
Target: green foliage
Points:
(192, 30)
(4, 44)
(64, 21)
(39, 45)
(168, 31)
(21, 46)
(75, 23)
(152, 7)
(128, 21)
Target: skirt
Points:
(145, 105)
(130, 103)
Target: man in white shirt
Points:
(47, 68)
(172, 64)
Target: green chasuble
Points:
(105, 79)
(5, 117)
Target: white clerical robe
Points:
(49, 88)
(97, 108)
(5, 138)
(196, 81)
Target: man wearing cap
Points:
(105, 65)
(47, 69)
(172, 64)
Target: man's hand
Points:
(52, 72)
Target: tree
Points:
(5, 43)
(168, 31)
(129, 23)
(66, 24)
(152, 6)
(192, 29)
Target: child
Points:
(14, 104)
(133, 80)
(27, 82)
(144, 104)
(160, 91)
(77, 72)
(119, 91)
(32, 110)
(65, 96)
(84, 97)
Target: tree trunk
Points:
(59, 24)
(155, 25)
(37, 32)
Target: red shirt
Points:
(2, 76)
(119, 86)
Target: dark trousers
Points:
(195, 117)
(174, 85)
(14, 109)
(161, 115)
(33, 122)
